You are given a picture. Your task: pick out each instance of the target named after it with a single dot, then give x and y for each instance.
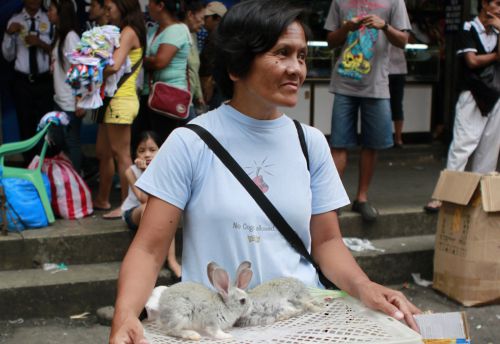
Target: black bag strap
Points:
(126, 76)
(99, 113)
(303, 145)
(269, 209)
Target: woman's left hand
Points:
(389, 301)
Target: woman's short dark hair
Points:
(248, 29)
(176, 8)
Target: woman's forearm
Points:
(339, 266)
(137, 278)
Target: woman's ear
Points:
(233, 77)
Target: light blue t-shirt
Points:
(222, 222)
(175, 72)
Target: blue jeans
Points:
(376, 123)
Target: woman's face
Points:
(276, 75)
(96, 11)
(154, 8)
(113, 12)
(52, 14)
(195, 20)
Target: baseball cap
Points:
(215, 7)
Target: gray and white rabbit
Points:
(278, 299)
(186, 307)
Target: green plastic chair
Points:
(34, 176)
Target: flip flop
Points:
(432, 207)
(101, 209)
(116, 217)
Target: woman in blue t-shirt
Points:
(166, 58)
(260, 65)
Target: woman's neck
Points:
(165, 21)
(253, 106)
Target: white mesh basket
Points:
(343, 320)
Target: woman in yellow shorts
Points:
(114, 133)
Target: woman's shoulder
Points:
(71, 41)
(72, 35)
(177, 30)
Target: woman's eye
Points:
(282, 52)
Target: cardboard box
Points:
(467, 251)
(444, 328)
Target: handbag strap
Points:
(150, 74)
(126, 76)
(260, 198)
(107, 100)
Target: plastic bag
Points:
(72, 198)
(24, 208)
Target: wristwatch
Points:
(385, 27)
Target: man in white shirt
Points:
(27, 43)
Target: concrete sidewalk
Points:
(403, 183)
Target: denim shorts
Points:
(127, 216)
(376, 123)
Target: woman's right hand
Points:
(129, 332)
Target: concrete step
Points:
(394, 222)
(33, 293)
(401, 257)
(89, 240)
(82, 241)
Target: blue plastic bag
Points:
(24, 208)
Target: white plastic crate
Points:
(344, 320)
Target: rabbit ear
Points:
(243, 275)
(244, 265)
(220, 280)
(210, 270)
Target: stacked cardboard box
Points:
(467, 251)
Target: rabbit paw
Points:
(189, 335)
(218, 334)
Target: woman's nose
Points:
(295, 66)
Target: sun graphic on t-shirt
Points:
(257, 172)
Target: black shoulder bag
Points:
(99, 113)
(272, 213)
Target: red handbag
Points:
(169, 101)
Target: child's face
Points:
(147, 150)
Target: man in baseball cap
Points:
(216, 7)
(214, 11)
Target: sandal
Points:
(114, 214)
(433, 206)
(368, 212)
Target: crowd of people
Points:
(254, 58)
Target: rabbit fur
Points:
(278, 299)
(186, 307)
